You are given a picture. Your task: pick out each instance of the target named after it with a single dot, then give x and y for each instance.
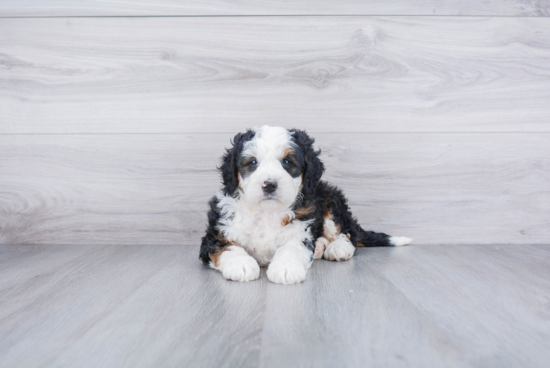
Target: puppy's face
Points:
(270, 166)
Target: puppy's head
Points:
(270, 166)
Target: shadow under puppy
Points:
(275, 211)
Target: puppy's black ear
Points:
(314, 168)
(230, 163)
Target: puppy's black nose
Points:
(269, 186)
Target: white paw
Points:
(235, 264)
(286, 272)
(340, 250)
(320, 246)
(398, 241)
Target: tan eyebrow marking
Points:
(287, 151)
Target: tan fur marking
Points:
(287, 151)
(301, 212)
(327, 214)
(306, 210)
(360, 244)
(220, 238)
(285, 221)
(215, 257)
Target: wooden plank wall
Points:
(25, 8)
(434, 117)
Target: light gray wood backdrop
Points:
(18, 8)
(111, 125)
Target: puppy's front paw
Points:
(237, 265)
(286, 272)
(340, 250)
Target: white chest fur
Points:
(260, 232)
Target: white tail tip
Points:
(398, 241)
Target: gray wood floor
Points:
(156, 306)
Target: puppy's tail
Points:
(372, 239)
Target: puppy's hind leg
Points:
(320, 246)
(340, 249)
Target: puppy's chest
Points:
(260, 233)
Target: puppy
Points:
(274, 211)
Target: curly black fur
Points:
(213, 240)
(336, 204)
(314, 168)
(230, 163)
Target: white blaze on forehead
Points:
(268, 142)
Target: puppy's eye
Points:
(253, 162)
(286, 162)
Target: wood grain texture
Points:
(81, 297)
(17, 287)
(468, 287)
(350, 315)
(18, 8)
(419, 306)
(137, 306)
(438, 188)
(325, 74)
(157, 306)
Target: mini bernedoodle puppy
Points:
(275, 211)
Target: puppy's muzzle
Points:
(269, 186)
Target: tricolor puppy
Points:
(274, 211)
